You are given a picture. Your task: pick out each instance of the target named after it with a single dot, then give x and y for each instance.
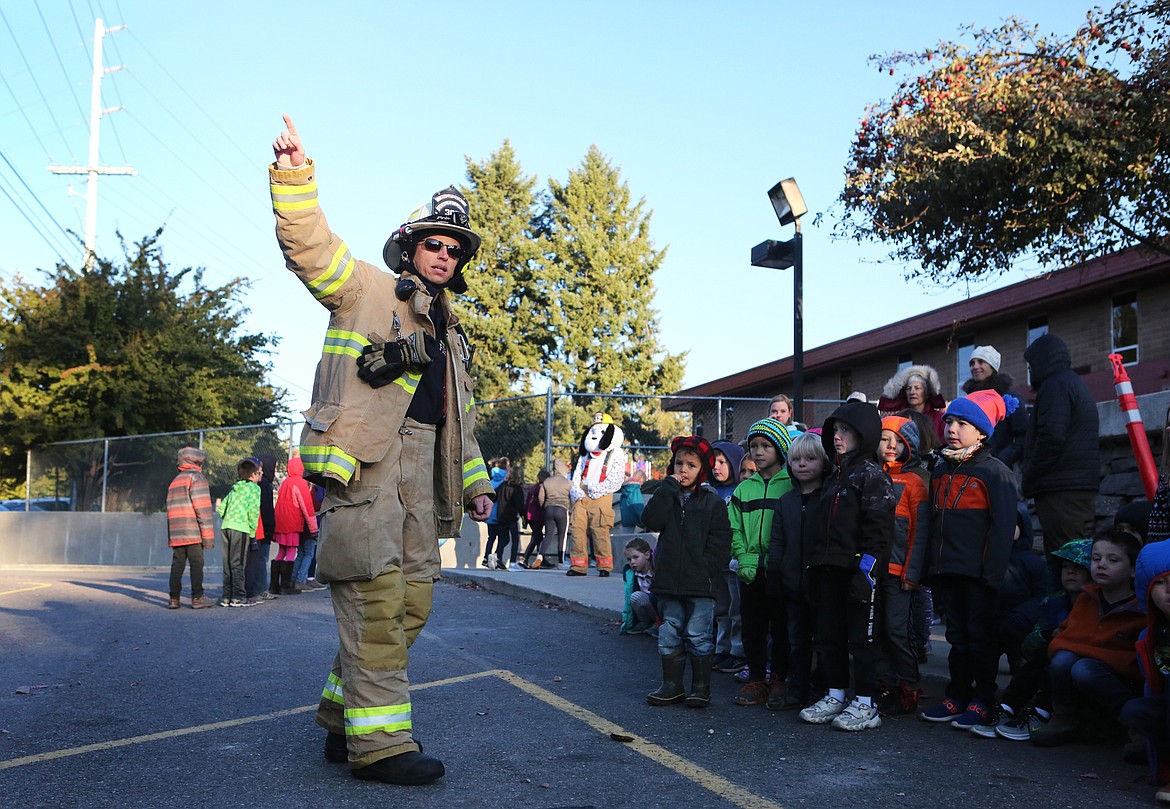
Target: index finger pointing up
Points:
(291, 126)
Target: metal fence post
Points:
(105, 471)
(548, 429)
(27, 478)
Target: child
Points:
(490, 560)
(729, 654)
(630, 499)
(295, 522)
(511, 499)
(793, 536)
(240, 518)
(972, 527)
(855, 530)
(897, 645)
(1148, 714)
(1092, 654)
(190, 526)
(693, 544)
(640, 611)
(750, 511)
(747, 468)
(1068, 573)
(534, 513)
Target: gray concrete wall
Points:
(83, 538)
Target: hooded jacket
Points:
(734, 454)
(1152, 564)
(893, 397)
(912, 513)
(794, 535)
(555, 489)
(694, 540)
(972, 517)
(1061, 451)
(1109, 637)
(190, 516)
(1007, 442)
(857, 501)
(351, 423)
(751, 510)
(294, 501)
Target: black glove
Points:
(382, 362)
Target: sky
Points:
(702, 106)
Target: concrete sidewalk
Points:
(603, 598)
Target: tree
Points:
(594, 296)
(124, 350)
(1018, 144)
(497, 306)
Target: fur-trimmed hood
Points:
(898, 381)
(1001, 383)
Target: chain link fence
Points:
(131, 474)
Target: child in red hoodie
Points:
(296, 522)
(1092, 655)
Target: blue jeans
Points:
(305, 552)
(1073, 675)
(686, 620)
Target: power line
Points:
(64, 72)
(33, 76)
(32, 224)
(32, 193)
(114, 84)
(23, 114)
(80, 33)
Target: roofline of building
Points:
(1060, 286)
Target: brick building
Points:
(1119, 303)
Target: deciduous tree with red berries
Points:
(1007, 143)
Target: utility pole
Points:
(95, 118)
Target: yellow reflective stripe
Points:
(349, 343)
(335, 275)
(324, 460)
(332, 690)
(293, 197)
(409, 381)
(470, 404)
(474, 470)
(383, 718)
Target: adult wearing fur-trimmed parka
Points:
(390, 435)
(915, 388)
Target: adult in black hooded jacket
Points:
(1061, 456)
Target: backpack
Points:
(533, 510)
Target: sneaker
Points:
(237, 602)
(976, 714)
(251, 602)
(858, 716)
(1163, 794)
(945, 711)
(491, 562)
(224, 602)
(823, 711)
(546, 565)
(887, 699)
(173, 604)
(730, 664)
(753, 693)
(1019, 728)
(268, 595)
(312, 586)
(200, 602)
(501, 564)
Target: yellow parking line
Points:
(688, 769)
(703, 777)
(37, 586)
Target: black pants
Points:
(182, 554)
(537, 539)
(1029, 684)
(256, 568)
(971, 632)
(801, 630)
(845, 627)
(763, 619)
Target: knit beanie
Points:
(699, 446)
(988, 355)
(774, 431)
(895, 425)
(982, 408)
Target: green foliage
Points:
(124, 350)
(1009, 143)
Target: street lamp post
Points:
(789, 206)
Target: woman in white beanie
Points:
(1007, 443)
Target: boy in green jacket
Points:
(750, 511)
(240, 514)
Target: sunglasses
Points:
(455, 251)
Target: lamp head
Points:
(787, 201)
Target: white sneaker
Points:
(822, 711)
(858, 716)
(491, 561)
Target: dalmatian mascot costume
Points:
(600, 471)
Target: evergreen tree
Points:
(123, 350)
(497, 307)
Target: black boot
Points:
(274, 579)
(404, 769)
(671, 690)
(289, 587)
(700, 696)
(336, 748)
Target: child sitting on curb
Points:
(640, 608)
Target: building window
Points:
(905, 361)
(1125, 327)
(1037, 326)
(962, 363)
(846, 384)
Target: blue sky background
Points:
(702, 106)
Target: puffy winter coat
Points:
(1061, 451)
(190, 516)
(794, 534)
(694, 540)
(294, 501)
(912, 514)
